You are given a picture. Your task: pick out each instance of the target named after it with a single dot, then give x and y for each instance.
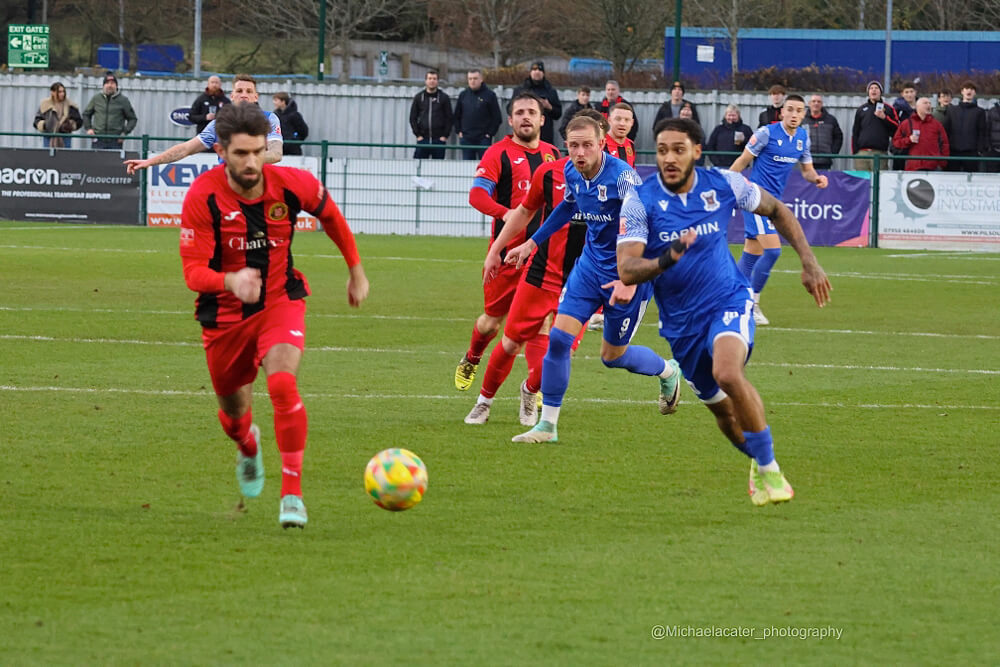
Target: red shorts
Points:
(235, 352)
(528, 311)
(499, 292)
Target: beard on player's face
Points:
(245, 178)
(675, 176)
(527, 132)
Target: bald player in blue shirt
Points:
(673, 232)
(774, 150)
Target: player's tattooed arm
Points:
(172, 154)
(274, 152)
(813, 277)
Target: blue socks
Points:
(555, 367)
(762, 269)
(746, 263)
(760, 446)
(639, 359)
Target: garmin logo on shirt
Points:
(703, 228)
(784, 158)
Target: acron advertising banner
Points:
(68, 186)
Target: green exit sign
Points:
(28, 46)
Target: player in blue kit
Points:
(777, 148)
(596, 185)
(674, 234)
(244, 92)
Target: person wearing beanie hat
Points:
(539, 86)
(672, 107)
(109, 113)
(875, 123)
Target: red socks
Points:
(497, 370)
(239, 430)
(478, 345)
(534, 354)
(290, 427)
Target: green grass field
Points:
(122, 542)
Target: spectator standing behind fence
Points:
(109, 112)
(206, 105)
(430, 118)
(729, 135)
(57, 114)
(875, 123)
(581, 102)
(477, 116)
(772, 114)
(966, 130)
(613, 96)
(539, 86)
(687, 111)
(672, 107)
(993, 138)
(825, 135)
(922, 135)
(293, 126)
(904, 109)
(943, 106)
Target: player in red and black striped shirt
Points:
(237, 226)
(502, 180)
(537, 295)
(621, 120)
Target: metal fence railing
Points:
(431, 196)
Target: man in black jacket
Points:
(966, 130)
(539, 86)
(293, 126)
(672, 107)
(874, 124)
(581, 102)
(431, 118)
(477, 116)
(993, 138)
(825, 135)
(206, 105)
(772, 114)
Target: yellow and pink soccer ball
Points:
(396, 479)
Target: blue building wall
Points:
(861, 50)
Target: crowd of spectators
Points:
(904, 133)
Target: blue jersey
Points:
(776, 153)
(209, 137)
(599, 203)
(706, 276)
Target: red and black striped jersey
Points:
(509, 167)
(225, 233)
(624, 151)
(550, 264)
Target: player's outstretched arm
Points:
(813, 277)
(742, 162)
(633, 268)
(274, 152)
(172, 154)
(810, 174)
(357, 286)
(514, 221)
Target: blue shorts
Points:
(583, 295)
(694, 352)
(755, 225)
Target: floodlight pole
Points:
(121, 35)
(321, 56)
(197, 39)
(888, 46)
(678, 8)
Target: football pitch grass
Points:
(123, 541)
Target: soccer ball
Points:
(396, 479)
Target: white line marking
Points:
(423, 318)
(453, 397)
(386, 350)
